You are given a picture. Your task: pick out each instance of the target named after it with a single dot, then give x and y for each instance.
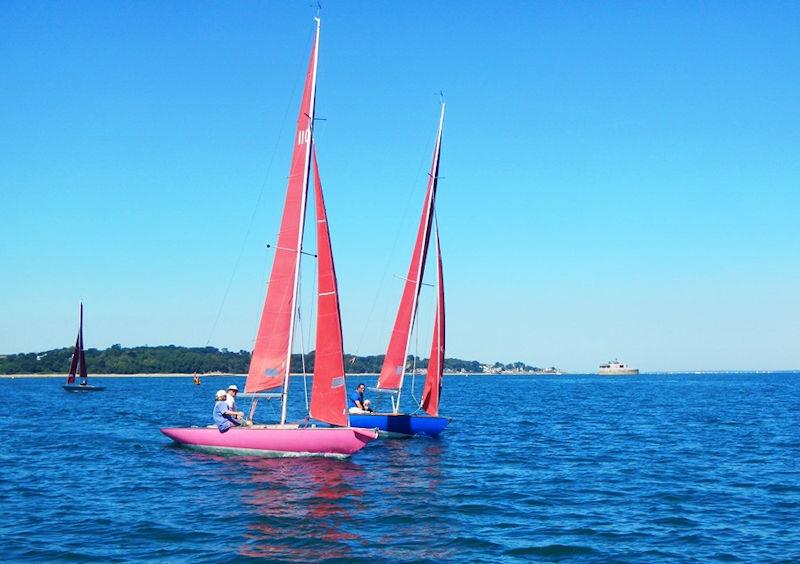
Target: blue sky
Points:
(619, 180)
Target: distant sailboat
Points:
(77, 366)
(271, 360)
(394, 364)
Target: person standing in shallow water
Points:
(224, 418)
(357, 402)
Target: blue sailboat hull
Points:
(401, 424)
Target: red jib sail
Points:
(433, 379)
(270, 363)
(73, 366)
(328, 396)
(78, 363)
(394, 364)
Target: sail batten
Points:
(328, 394)
(271, 360)
(394, 364)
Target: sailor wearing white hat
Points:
(224, 418)
(230, 399)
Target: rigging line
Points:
(390, 256)
(302, 356)
(319, 129)
(275, 413)
(312, 295)
(298, 296)
(404, 279)
(264, 183)
(311, 320)
(416, 355)
(298, 315)
(414, 367)
(302, 252)
(298, 307)
(427, 370)
(302, 336)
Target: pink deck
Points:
(276, 440)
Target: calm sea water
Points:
(586, 468)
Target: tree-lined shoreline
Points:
(173, 359)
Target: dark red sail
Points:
(78, 363)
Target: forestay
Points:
(394, 364)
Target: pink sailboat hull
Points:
(275, 440)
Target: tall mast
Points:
(394, 366)
(308, 141)
(82, 353)
(76, 351)
(270, 363)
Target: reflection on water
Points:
(308, 509)
(432, 457)
(297, 508)
(410, 488)
(585, 469)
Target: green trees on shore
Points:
(171, 359)
(135, 360)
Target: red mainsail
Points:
(270, 363)
(394, 364)
(328, 396)
(433, 378)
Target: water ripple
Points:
(676, 467)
